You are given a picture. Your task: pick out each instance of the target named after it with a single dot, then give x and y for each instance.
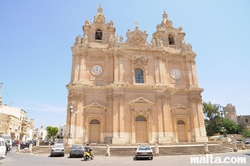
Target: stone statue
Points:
(78, 40)
(88, 23)
(153, 42)
(121, 39)
(85, 39)
(128, 32)
(111, 23)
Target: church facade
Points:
(128, 92)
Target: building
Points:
(244, 121)
(40, 133)
(133, 91)
(62, 131)
(230, 112)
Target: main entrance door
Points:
(94, 136)
(181, 130)
(141, 130)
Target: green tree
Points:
(51, 132)
(230, 126)
(213, 120)
(245, 132)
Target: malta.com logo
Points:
(210, 159)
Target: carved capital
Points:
(195, 99)
(118, 96)
(76, 96)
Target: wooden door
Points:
(94, 132)
(141, 130)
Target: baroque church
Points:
(131, 91)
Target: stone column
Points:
(159, 116)
(115, 118)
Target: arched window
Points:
(140, 118)
(180, 122)
(139, 76)
(95, 122)
(171, 40)
(98, 34)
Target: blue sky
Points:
(36, 39)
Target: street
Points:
(20, 159)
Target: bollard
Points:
(243, 147)
(206, 151)
(156, 150)
(235, 147)
(30, 147)
(18, 147)
(108, 151)
(38, 143)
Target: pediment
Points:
(141, 102)
(180, 106)
(95, 106)
(180, 110)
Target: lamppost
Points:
(71, 111)
(223, 124)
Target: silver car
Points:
(57, 150)
(76, 150)
(144, 151)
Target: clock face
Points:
(176, 74)
(96, 70)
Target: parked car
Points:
(33, 142)
(57, 150)
(76, 150)
(144, 151)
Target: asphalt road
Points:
(20, 159)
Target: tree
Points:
(245, 132)
(213, 120)
(52, 132)
(230, 126)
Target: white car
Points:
(57, 150)
(2, 148)
(144, 151)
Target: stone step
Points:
(130, 150)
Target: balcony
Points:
(25, 122)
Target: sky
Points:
(36, 39)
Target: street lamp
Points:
(223, 125)
(71, 111)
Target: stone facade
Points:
(230, 112)
(133, 91)
(244, 121)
